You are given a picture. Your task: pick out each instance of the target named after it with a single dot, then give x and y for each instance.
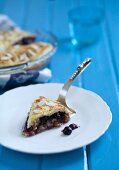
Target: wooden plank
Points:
(60, 17)
(15, 160)
(15, 10)
(38, 15)
(103, 78)
(65, 161)
(100, 78)
(112, 27)
(108, 146)
(2, 2)
(64, 63)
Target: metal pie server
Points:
(62, 95)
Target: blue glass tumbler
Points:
(85, 24)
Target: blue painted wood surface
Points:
(102, 77)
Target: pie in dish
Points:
(19, 54)
(45, 114)
(13, 37)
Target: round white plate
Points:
(92, 115)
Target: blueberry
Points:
(44, 119)
(67, 130)
(73, 126)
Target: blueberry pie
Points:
(45, 114)
(13, 37)
(19, 54)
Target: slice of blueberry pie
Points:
(45, 114)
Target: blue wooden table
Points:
(102, 77)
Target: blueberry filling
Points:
(25, 41)
(46, 122)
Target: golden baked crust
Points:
(44, 107)
(19, 54)
(9, 38)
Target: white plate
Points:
(92, 114)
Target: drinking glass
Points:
(85, 24)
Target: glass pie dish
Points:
(37, 64)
